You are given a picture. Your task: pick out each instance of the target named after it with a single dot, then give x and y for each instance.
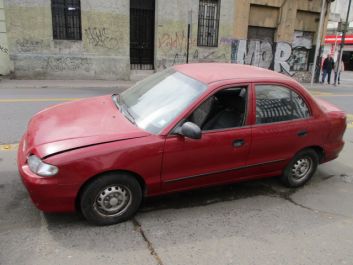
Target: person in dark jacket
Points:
(327, 67)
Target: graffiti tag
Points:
(27, 45)
(4, 50)
(68, 64)
(100, 37)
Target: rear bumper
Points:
(332, 151)
(46, 193)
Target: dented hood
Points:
(77, 124)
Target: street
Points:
(258, 222)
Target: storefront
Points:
(332, 45)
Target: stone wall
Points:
(103, 52)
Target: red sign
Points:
(331, 39)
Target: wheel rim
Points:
(302, 168)
(113, 200)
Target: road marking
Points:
(319, 93)
(8, 147)
(324, 94)
(15, 100)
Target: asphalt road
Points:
(257, 222)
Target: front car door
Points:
(221, 154)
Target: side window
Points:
(208, 26)
(225, 109)
(276, 103)
(66, 19)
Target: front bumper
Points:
(47, 193)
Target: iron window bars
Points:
(208, 23)
(66, 15)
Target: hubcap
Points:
(113, 200)
(302, 168)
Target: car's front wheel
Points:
(111, 198)
(301, 168)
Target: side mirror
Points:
(190, 130)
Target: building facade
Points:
(114, 39)
(334, 33)
(5, 63)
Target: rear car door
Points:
(283, 125)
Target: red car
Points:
(186, 127)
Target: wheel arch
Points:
(140, 180)
(318, 149)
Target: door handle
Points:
(238, 143)
(302, 133)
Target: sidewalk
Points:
(346, 84)
(17, 83)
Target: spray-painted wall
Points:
(283, 57)
(103, 52)
(291, 53)
(171, 33)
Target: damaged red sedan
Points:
(186, 127)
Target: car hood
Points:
(77, 124)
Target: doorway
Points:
(142, 16)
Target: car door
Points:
(217, 157)
(283, 125)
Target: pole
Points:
(318, 42)
(188, 37)
(187, 45)
(339, 57)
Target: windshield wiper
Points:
(126, 112)
(123, 108)
(116, 100)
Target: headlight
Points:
(40, 168)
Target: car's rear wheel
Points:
(111, 198)
(301, 168)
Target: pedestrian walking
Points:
(327, 67)
(338, 72)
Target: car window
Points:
(276, 103)
(225, 109)
(157, 100)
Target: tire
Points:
(111, 198)
(301, 168)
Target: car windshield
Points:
(156, 101)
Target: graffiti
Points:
(162, 64)
(176, 41)
(4, 50)
(99, 37)
(209, 56)
(173, 41)
(27, 45)
(179, 58)
(301, 46)
(212, 56)
(281, 56)
(226, 41)
(68, 64)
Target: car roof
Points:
(213, 72)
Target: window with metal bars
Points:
(207, 34)
(66, 16)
